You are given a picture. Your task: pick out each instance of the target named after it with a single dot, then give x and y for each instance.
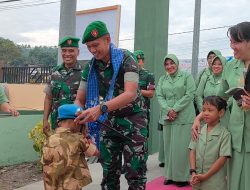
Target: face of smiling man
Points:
(69, 56)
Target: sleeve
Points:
(161, 97)
(47, 89)
(85, 72)
(131, 71)
(200, 92)
(197, 82)
(151, 82)
(192, 145)
(189, 94)
(223, 86)
(3, 97)
(88, 147)
(82, 85)
(226, 147)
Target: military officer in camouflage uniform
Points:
(65, 80)
(146, 83)
(63, 159)
(123, 109)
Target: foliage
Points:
(20, 55)
(8, 51)
(43, 55)
(38, 137)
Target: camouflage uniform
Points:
(130, 121)
(63, 88)
(64, 164)
(146, 82)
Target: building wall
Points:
(15, 146)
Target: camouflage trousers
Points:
(113, 147)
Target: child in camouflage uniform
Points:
(64, 164)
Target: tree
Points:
(43, 55)
(8, 51)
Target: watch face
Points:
(104, 108)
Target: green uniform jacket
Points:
(239, 123)
(63, 88)
(176, 93)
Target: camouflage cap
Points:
(68, 111)
(94, 31)
(69, 41)
(139, 54)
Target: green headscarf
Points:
(175, 60)
(214, 51)
(221, 58)
(223, 62)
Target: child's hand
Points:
(97, 153)
(199, 177)
(92, 149)
(194, 180)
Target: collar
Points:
(215, 132)
(62, 130)
(237, 63)
(76, 67)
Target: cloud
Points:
(47, 37)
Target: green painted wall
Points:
(151, 36)
(15, 146)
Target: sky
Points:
(36, 22)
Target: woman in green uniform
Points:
(210, 85)
(208, 71)
(239, 123)
(175, 93)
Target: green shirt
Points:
(209, 147)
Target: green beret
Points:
(69, 41)
(94, 31)
(139, 54)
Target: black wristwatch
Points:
(103, 107)
(191, 171)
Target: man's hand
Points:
(46, 127)
(89, 115)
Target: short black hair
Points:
(216, 101)
(240, 32)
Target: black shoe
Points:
(181, 183)
(168, 182)
(161, 165)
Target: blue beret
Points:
(68, 111)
